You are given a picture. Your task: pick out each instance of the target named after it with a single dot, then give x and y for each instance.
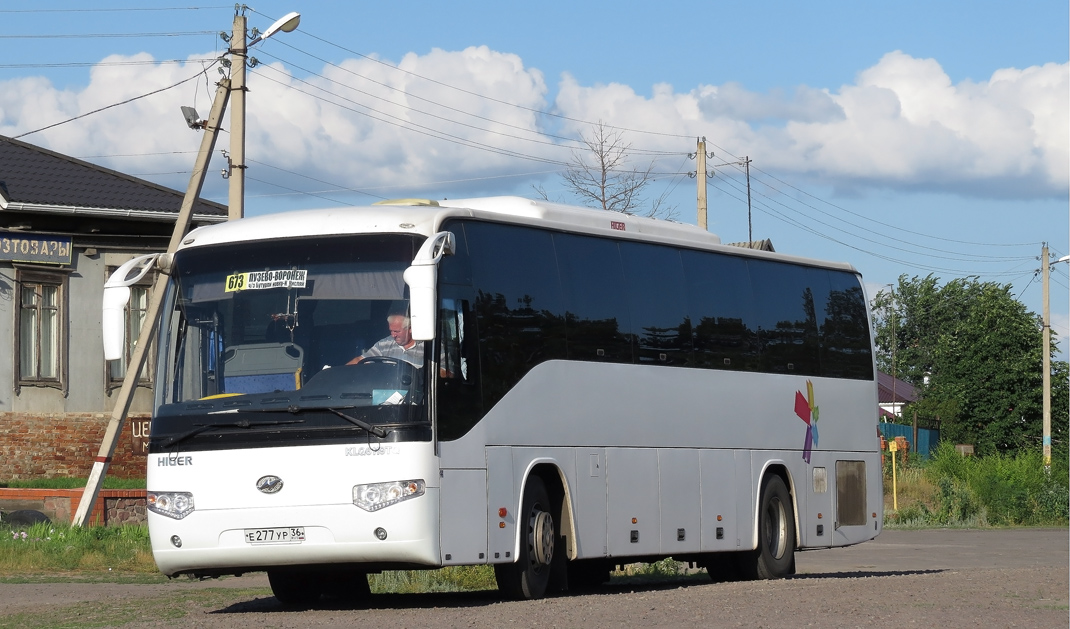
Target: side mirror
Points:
(421, 277)
(116, 295)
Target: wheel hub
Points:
(542, 542)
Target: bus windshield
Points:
(307, 327)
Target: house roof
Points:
(33, 179)
(759, 245)
(904, 391)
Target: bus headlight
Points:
(173, 504)
(377, 496)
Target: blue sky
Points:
(906, 138)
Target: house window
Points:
(136, 311)
(41, 338)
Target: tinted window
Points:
(845, 332)
(599, 326)
(721, 305)
(656, 296)
(459, 400)
(457, 268)
(518, 303)
(786, 318)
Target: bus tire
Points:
(294, 588)
(346, 585)
(529, 576)
(775, 556)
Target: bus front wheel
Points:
(775, 556)
(529, 576)
(294, 588)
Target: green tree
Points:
(974, 353)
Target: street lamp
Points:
(286, 24)
(236, 166)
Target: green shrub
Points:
(999, 489)
(449, 579)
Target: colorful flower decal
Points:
(807, 411)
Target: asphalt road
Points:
(949, 578)
(896, 552)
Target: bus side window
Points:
(459, 401)
(453, 357)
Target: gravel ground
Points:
(1004, 578)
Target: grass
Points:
(110, 482)
(449, 579)
(951, 490)
(56, 548)
(478, 578)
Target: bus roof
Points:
(424, 217)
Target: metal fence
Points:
(927, 437)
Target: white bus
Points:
(590, 389)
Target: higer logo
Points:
(169, 461)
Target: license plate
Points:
(276, 535)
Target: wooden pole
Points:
(700, 174)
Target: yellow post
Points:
(893, 447)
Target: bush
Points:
(999, 489)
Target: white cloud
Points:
(901, 124)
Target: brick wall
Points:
(56, 445)
(114, 507)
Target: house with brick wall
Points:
(65, 225)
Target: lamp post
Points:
(238, 51)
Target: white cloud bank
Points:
(902, 124)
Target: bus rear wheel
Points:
(775, 556)
(529, 576)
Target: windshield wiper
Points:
(294, 409)
(375, 430)
(241, 423)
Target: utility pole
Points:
(750, 234)
(1046, 333)
(152, 314)
(236, 166)
(700, 174)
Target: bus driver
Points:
(399, 344)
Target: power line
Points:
(962, 242)
(338, 186)
(425, 113)
(401, 91)
(412, 126)
(966, 258)
(115, 10)
(91, 64)
(96, 111)
(768, 210)
(108, 35)
(471, 93)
